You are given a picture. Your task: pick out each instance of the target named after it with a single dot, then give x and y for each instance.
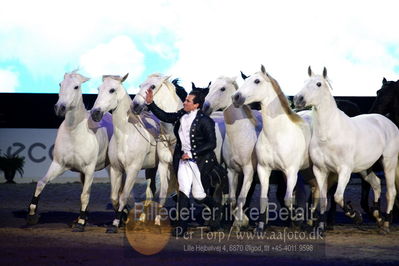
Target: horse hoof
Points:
(235, 228)
(259, 230)
(32, 219)
(384, 230)
(112, 229)
(78, 228)
(358, 220)
(330, 227)
(306, 228)
(380, 222)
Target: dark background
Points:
(31, 110)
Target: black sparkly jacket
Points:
(202, 140)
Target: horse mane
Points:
(172, 88)
(180, 91)
(232, 81)
(116, 77)
(284, 101)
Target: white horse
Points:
(284, 140)
(133, 145)
(344, 145)
(166, 98)
(81, 144)
(239, 156)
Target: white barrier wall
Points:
(36, 145)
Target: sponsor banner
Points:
(37, 145)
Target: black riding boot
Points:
(183, 202)
(216, 212)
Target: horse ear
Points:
(193, 86)
(209, 84)
(124, 78)
(325, 72)
(310, 72)
(83, 79)
(65, 75)
(166, 78)
(384, 81)
(243, 76)
(262, 68)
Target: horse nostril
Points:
(206, 108)
(59, 109)
(299, 101)
(136, 108)
(96, 114)
(237, 99)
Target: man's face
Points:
(189, 104)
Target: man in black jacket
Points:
(193, 157)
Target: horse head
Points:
(219, 96)
(110, 93)
(387, 99)
(70, 94)
(255, 88)
(154, 82)
(314, 90)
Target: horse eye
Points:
(76, 87)
(318, 84)
(152, 87)
(112, 90)
(223, 89)
(257, 81)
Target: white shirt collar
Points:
(192, 113)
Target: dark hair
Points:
(199, 97)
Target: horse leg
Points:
(390, 164)
(131, 175)
(241, 219)
(322, 182)
(264, 176)
(84, 198)
(364, 199)
(54, 170)
(372, 180)
(116, 183)
(281, 182)
(164, 176)
(289, 200)
(233, 181)
(315, 198)
(343, 180)
(333, 206)
(151, 174)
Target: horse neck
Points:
(120, 115)
(232, 114)
(325, 117)
(75, 116)
(273, 112)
